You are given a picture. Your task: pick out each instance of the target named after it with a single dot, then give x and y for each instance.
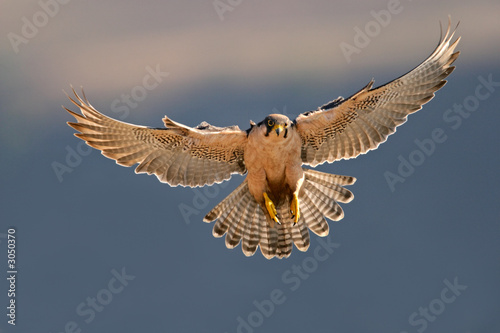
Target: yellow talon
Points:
(271, 209)
(294, 209)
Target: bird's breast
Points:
(272, 156)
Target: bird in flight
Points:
(279, 200)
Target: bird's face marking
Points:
(277, 123)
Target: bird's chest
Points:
(273, 156)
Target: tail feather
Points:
(240, 213)
(314, 219)
(251, 236)
(300, 235)
(284, 246)
(244, 221)
(227, 202)
(329, 178)
(332, 184)
(268, 239)
(328, 207)
(223, 223)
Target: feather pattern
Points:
(206, 154)
(243, 220)
(176, 154)
(345, 128)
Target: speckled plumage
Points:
(272, 154)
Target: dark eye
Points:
(270, 123)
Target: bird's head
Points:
(276, 125)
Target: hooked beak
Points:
(278, 129)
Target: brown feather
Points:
(345, 128)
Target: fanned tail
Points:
(243, 220)
(320, 197)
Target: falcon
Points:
(279, 200)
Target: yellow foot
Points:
(294, 209)
(271, 209)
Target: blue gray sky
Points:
(100, 249)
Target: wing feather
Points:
(177, 154)
(345, 128)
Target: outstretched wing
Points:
(177, 154)
(345, 128)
